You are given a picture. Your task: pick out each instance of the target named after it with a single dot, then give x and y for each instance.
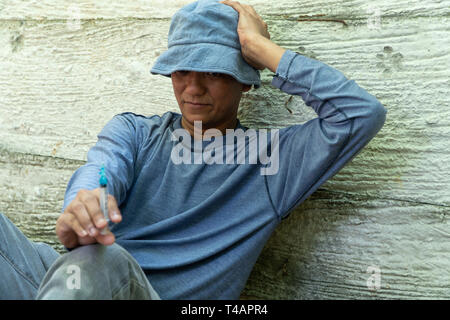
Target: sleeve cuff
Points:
(282, 71)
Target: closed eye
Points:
(208, 74)
(182, 72)
(214, 74)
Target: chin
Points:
(195, 116)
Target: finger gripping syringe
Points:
(104, 197)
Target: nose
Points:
(195, 83)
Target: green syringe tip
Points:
(103, 180)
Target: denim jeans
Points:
(34, 270)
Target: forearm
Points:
(85, 177)
(334, 97)
(348, 118)
(115, 149)
(264, 52)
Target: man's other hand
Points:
(82, 220)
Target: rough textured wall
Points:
(66, 69)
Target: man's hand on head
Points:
(251, 27)
(257, 48)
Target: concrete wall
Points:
(66, 69)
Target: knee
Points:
(91, 253)
(100, 272)
(112, 256)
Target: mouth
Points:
(197, 103)
(192, 104)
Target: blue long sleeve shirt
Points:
(197, 229)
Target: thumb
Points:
(113, 210)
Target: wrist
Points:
(263, 51)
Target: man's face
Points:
(212, 98)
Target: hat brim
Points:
(207, 57)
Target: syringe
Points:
(104, 198)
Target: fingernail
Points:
(92, 231)
(115, 214)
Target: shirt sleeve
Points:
(311, 153)
(116, 149)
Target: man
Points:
(194, 230)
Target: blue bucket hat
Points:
(203, 37)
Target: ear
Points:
(246, 87)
